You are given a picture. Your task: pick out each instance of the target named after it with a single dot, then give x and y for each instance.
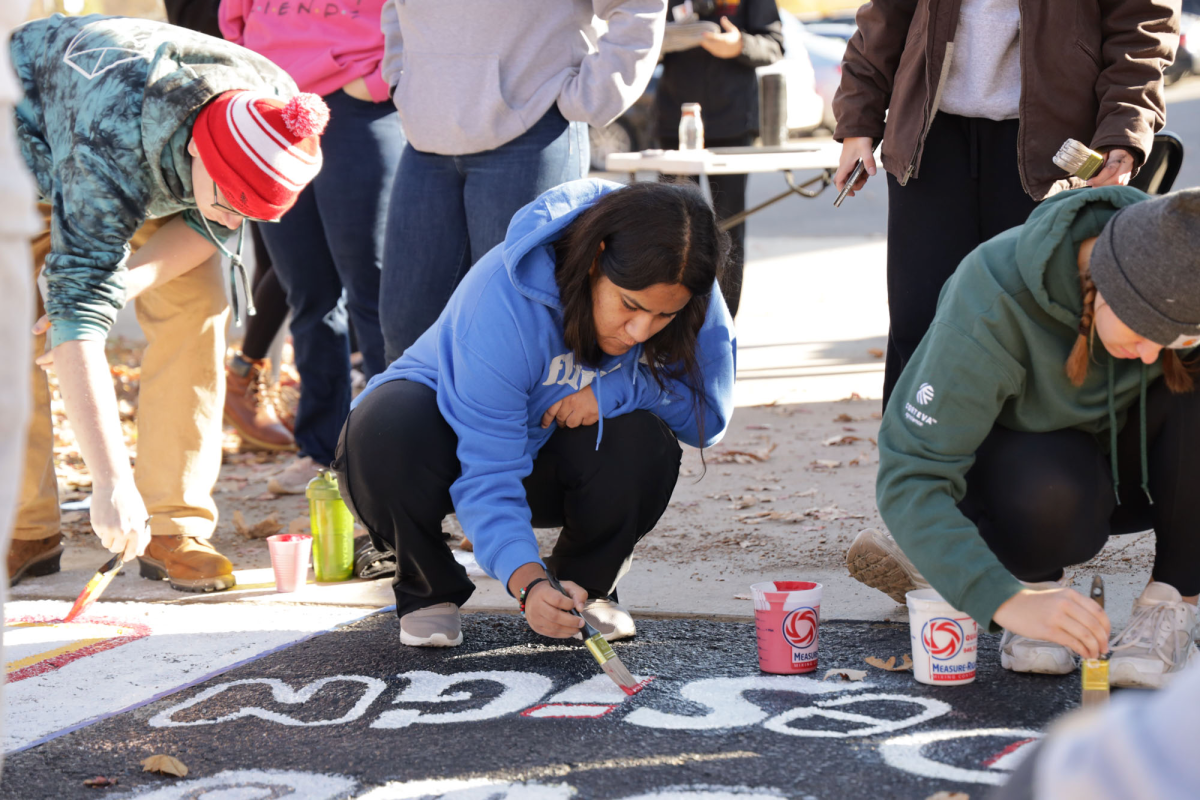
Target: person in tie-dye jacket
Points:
(125, 121)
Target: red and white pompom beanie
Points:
(260, 150)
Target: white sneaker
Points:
(610, 618)
(1158, 641)
(295, 476)
(875, 559)
(1022, 654)
(433, 626)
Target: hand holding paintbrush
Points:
(598, 646)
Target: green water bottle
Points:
(332, 529)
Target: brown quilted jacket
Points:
(1090, 70)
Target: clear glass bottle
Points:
(691, 128)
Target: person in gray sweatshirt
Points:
(495, 98)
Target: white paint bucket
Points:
(289, 560)
(787, 615)
(944, 640)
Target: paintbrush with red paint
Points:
(96, 586)
(602, 651)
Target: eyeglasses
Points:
(217, 204)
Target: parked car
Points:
(806, 105)
(1187, 58)
(825, 42)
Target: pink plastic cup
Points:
(289, 560)
(787, 615)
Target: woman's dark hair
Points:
(652, 233)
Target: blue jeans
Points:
(447, 211)
(327, 251)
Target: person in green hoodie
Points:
(125, 121)
(1048, 408)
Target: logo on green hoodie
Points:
(925, 394)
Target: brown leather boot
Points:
(31, 558)
(249, 407)
(188, 563)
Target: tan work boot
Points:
(31, 558)
(188, 563)
(249, 406)
(875, 559)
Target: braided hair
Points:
(1177, 375)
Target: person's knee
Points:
(1060, 522)
(646, 451)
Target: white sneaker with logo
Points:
(1158, 642)
(1022, 654)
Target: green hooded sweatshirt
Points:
(996, 353)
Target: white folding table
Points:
(821, 155)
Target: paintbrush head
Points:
(1077, 159)
(602, 651)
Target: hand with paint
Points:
(574, 410)
(547, 611)
(120, 519)
(1063, 616)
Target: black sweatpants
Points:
(969, 190)
(397, 457)
(1045, 501)
(729, 198)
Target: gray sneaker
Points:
(610, 618)
(432, 626)
(1157, 643)
(1022, 654)
(875, 559)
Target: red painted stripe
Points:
(1012, 748)
(61, 660)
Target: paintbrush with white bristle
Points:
(1078, 159)
(601, 650)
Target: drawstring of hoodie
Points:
(1143, 445)
(237, 269)
(599, 409)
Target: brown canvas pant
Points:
(180, 402)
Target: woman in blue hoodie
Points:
(550, 392)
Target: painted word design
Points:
(942, 638)
(521, 693)
(906, 753)
(257, 784)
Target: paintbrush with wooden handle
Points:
(96, 586)
(1095, 670)
(601, 650)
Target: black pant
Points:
(969, 190)
(270, 301)
(729, 198)
(396, 460)
(1045, 501)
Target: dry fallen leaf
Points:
(465, 545)
(298, 526)
(844, 418)
(949, 796)
(259, 530)
(890, 665)
(742, 597)
(840, 440)
(825, 463)
(875, 352)
(762, 426)
(166, 765)
(100, 780)
(742, 456)
(845, 675)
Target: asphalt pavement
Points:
(511, 714)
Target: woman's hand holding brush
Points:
(1063, 616)
(547, 611)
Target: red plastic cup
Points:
(787, 615)
(289, 559)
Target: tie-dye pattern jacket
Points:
(104, 127)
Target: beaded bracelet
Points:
(525, 592)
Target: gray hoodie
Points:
(470, 75)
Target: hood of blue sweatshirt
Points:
(497, 360)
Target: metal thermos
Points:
(772, 109)
(332, 529)
(691, 128)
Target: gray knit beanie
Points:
(1146, 264)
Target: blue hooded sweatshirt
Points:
(497, 360)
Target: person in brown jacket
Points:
(972, 98)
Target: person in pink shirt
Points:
(328, 249)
